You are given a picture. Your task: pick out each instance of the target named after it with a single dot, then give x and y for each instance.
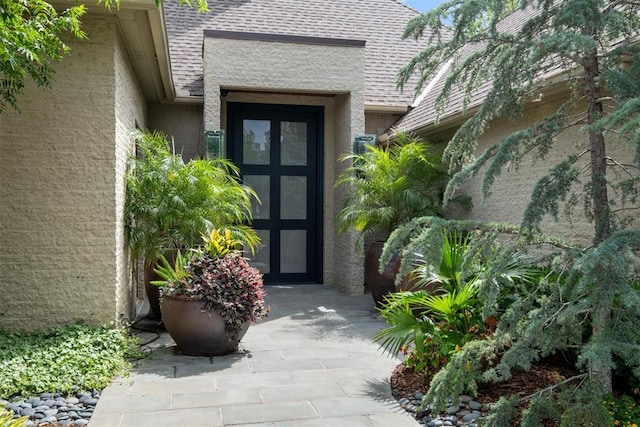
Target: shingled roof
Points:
(379, 22)
(425, 113)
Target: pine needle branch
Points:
(549, 389)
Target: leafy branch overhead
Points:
(32, 34)
(30, 31)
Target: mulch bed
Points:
(405, 383)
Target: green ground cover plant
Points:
(63, 359)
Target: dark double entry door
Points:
(279, 152)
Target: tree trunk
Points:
(600, 199)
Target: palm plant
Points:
(433, 325)
(390, 185)
(169, 203)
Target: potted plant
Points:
(390, 185)
(170, 203)
(211, 295)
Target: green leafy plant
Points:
(31, 34)
(62, 359)
(7, 420)
(429, 328)
(389, 185)
(172, 273)
(624, 410)
(221, 277)
(432, 325)
(170, 204)
(220, 243)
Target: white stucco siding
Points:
(304, 74)
(511, 192)
(61, 246)
(130, 111)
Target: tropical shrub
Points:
(432, 325)
(429, 328)
(170, 203)
(389, 185)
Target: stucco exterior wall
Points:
(305, 74)
(378, 123)
(130, 112)
(182, 122)
(61, 191)
(511, 192)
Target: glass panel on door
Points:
(293, 140)
(293, 251)
(256, 142)
(261, 184)
(262, 258)
(293, 197)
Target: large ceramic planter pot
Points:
(153, 291)
(380, 284)
(196, 332)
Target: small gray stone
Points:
(419, 396)
(425, 419)
(435, 423)
(85, 414)
(41, 408)
(39, 415)
(447, 423)
(49, 402)
(73, 400)
(91, 401)
(465, 399)
(451, 410)
(61, 417)
(452, 419)
(470, 417)
(65, 422)
(81, 422)
(27, 412)
(475, 405)
(462, 413)
(45, 396)
(25, 405)
(13, 408)
(411, 408)
(404, 401)
(49, 420)
(50, 412)
(29, 423)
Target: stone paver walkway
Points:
(310, 363)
